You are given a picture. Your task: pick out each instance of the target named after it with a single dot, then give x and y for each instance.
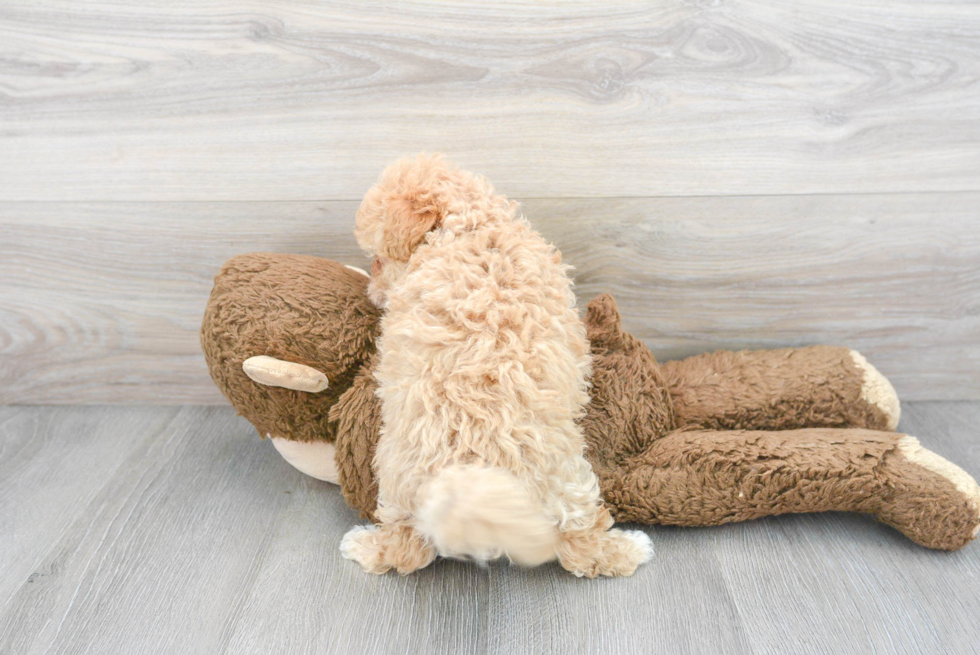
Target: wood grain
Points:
(172, 539)
(896, 596)
(163, 529)
(665, 607)
(205, 540)
(102, 302)
(288, 100)
(52, 465)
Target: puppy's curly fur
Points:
(483, 373)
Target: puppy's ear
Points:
(410, 217)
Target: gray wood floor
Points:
(176, 530)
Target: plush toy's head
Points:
(296, 308)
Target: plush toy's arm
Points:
(357, 419)
(702, 477)
(818, 386)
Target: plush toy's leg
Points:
(314, 458)
(702, 477)
(378, 549)
(818, 386)
(357, 416)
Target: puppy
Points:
(483, 373)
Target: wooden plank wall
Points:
(738, 174)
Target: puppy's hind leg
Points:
(597, 550)
(378, 549)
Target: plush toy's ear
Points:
(603, 323)
(410, 216)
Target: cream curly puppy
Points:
(482, 376)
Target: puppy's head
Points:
(409, 201)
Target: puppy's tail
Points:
(482, 513)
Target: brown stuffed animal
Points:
(711, 439)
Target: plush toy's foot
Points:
(600, 551)
(928, 498)
(878, 391)
(380, 549)
(314, 458)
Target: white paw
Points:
(352, 546)
(642, 540)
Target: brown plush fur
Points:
(694, 474)
(773, 396)
(829, 454)
(278, 305)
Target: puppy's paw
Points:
(614, 553)
(623, 551)
(361, 544)
(643, 542)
